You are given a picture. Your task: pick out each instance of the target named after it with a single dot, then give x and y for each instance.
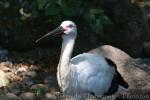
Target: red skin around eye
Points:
(69, 26)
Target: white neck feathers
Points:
(64, 63)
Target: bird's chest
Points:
(74, 87)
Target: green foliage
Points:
(40, 91)
(97, 19)
(23, 21)
(59, 10)
(18, 23)
(41, 3)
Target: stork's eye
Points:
(69, 26)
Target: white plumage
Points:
(85, 73)
(93, 73)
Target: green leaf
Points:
(52, 10)
(40, 91)
(55, 20)
(95, 12)
(68, 12)
(105, 20)
(41, 3)
(97, 19)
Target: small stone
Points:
(36, 86)
(5, 69)
(52, 80)
(6, 64)
(16, 87)
(12, 96)
(3, 90)
(49, 96)
(32, 74)
(27, 96)
(21, 69)
(3, 79)
(28, 82)
(3, 97)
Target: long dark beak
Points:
(53, 33)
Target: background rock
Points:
(16, 87)
(11, 96)
(27, 96)
(3, 79)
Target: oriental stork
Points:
(86, 73)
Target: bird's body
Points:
(89, 74)
(85, 73)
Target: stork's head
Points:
(69, 27)
(66, 29)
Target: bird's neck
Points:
(66, 52)
(63, 70)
